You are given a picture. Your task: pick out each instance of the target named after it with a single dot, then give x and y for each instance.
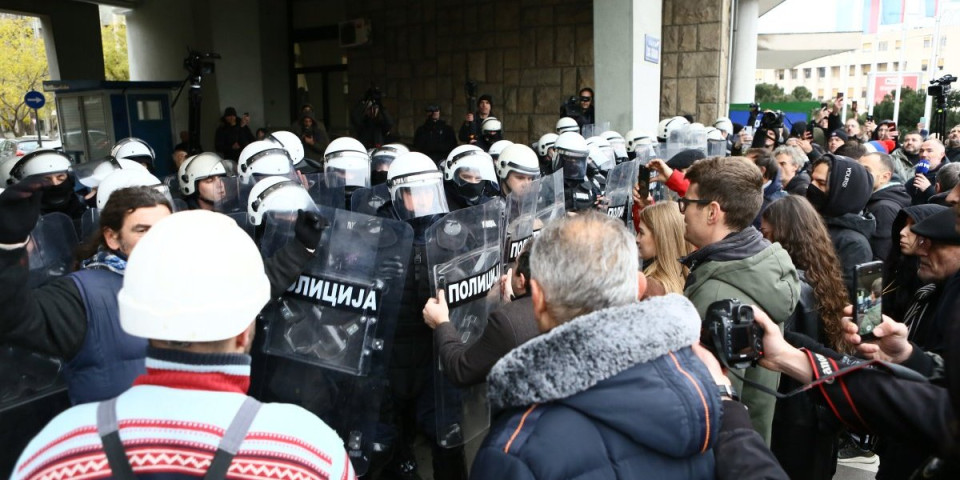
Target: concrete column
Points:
(744, 51)
(628, 92)
(71, 34)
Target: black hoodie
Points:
(885, 204)
(843, 212)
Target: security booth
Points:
(95, 114)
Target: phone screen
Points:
(866, 298)
(643, 181)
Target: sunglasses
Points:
(586, 99)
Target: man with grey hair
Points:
(792, 174)
(888, 198)
(611, 378)
(921, 188)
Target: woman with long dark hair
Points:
(803, 440)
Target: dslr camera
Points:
(571, 107)
(731, 333)
(771, 120)
(373, 97)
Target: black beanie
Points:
(685, 158)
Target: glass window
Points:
(819, 93)
(867, 46)
(149, 110)
(865, 68)
(927, 41)
(821, 72)
(924, 64)
(853, 70)
(780, 74)
(835, 72)
(806, 73)
(898, 45)
(881, 67)
(882, 46)
(793, 74)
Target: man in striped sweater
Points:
(189, 415)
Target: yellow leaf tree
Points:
(23, 67)
(115, 64)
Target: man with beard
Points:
(953, 144)
(434, 138)
(923, 185)
(905, 157)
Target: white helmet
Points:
(198, 167)
(353, 166)
(40, 162)
(724, 123)
(277, 194)
(105, 168)
(6, 165)
(546, 142)
(133, 148)
(416, 174)
(715, 134)
(637, 138)
(567, 124)
(668, 125)
(396, 148)
(263, 158)
(498, 147)
(290, 142)
(571, 151)
(384, 156)
(125, 178)
(608, 159)
(187, 300)
(344, 144)
(469, 156)
(618, 143)
(491, 125)
(517, 158)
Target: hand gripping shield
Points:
(463, 257)
(618, 197)
(50, 248)
(327, 340)
(369, 200)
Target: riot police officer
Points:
(469, 177)
(571, 156)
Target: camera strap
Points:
(825, 372)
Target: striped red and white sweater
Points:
(172, 420)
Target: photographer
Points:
(470, 130)
(580, 108)
(312, 134)
(370, 122)
(233, 134)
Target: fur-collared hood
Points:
(579, 354)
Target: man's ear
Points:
(112, 239)
(544, 322)
(244, 341)
(713, 213)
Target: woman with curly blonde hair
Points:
(661, 245)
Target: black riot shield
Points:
(463, 256)
(550, 203)
(50, 248)
(618, 197)
(519, 223)
(369, 200)
(328, 338)
(326, 189)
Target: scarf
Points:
(106, 260)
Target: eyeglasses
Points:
(684, 202)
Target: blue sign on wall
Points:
(34, 99)
(651, 49)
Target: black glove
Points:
(309, 228)
(20, 209)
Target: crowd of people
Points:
(311, 306)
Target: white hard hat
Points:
(264, 158)
(133, 148)
(546, 142)
(125, 178)
(213, 291)
(198, 167)
(40, 162)
(344, 144)
(491, 124)
(290, 142)
(668, 125)
(567, 124)
(498, 147)
(517, 158)
(637, 138)
(724, 123)
(416, 171)
(277, 194)
(106, 167)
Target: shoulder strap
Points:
(232, 438)
(108, 429)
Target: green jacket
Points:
(766, 279)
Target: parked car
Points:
(22, 146)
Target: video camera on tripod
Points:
(200, 64)
(938, 89)
(197, 64)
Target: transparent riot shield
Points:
(89, 222)
(520, 215)
(27, 377)
(594, 129)
(235, 194)
(326, 341)
(550, 204)
(463, 256)
(326, 189)
(369, 200)
(50, 248)
(716, 148)
(244, 222)
(618, 197)
(173, 185)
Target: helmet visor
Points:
(573, 163)
(418, 195)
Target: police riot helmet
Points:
(199, 167)
(724, 124)
(546, 142)
(277, 194)
(290, 142)
(497, 148)
(263, 158)
(39, 162)
(416, 186)
(637, 138)
(668, 125)
(618, 143)
(344, 144)
(571, 152)
(607, 159)
(517, 158)
(126, 178)
(567, 124)
(133, 148)
(490, 127)
(381, 158)
(715, 134)
(105, 168)
(353, 166)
